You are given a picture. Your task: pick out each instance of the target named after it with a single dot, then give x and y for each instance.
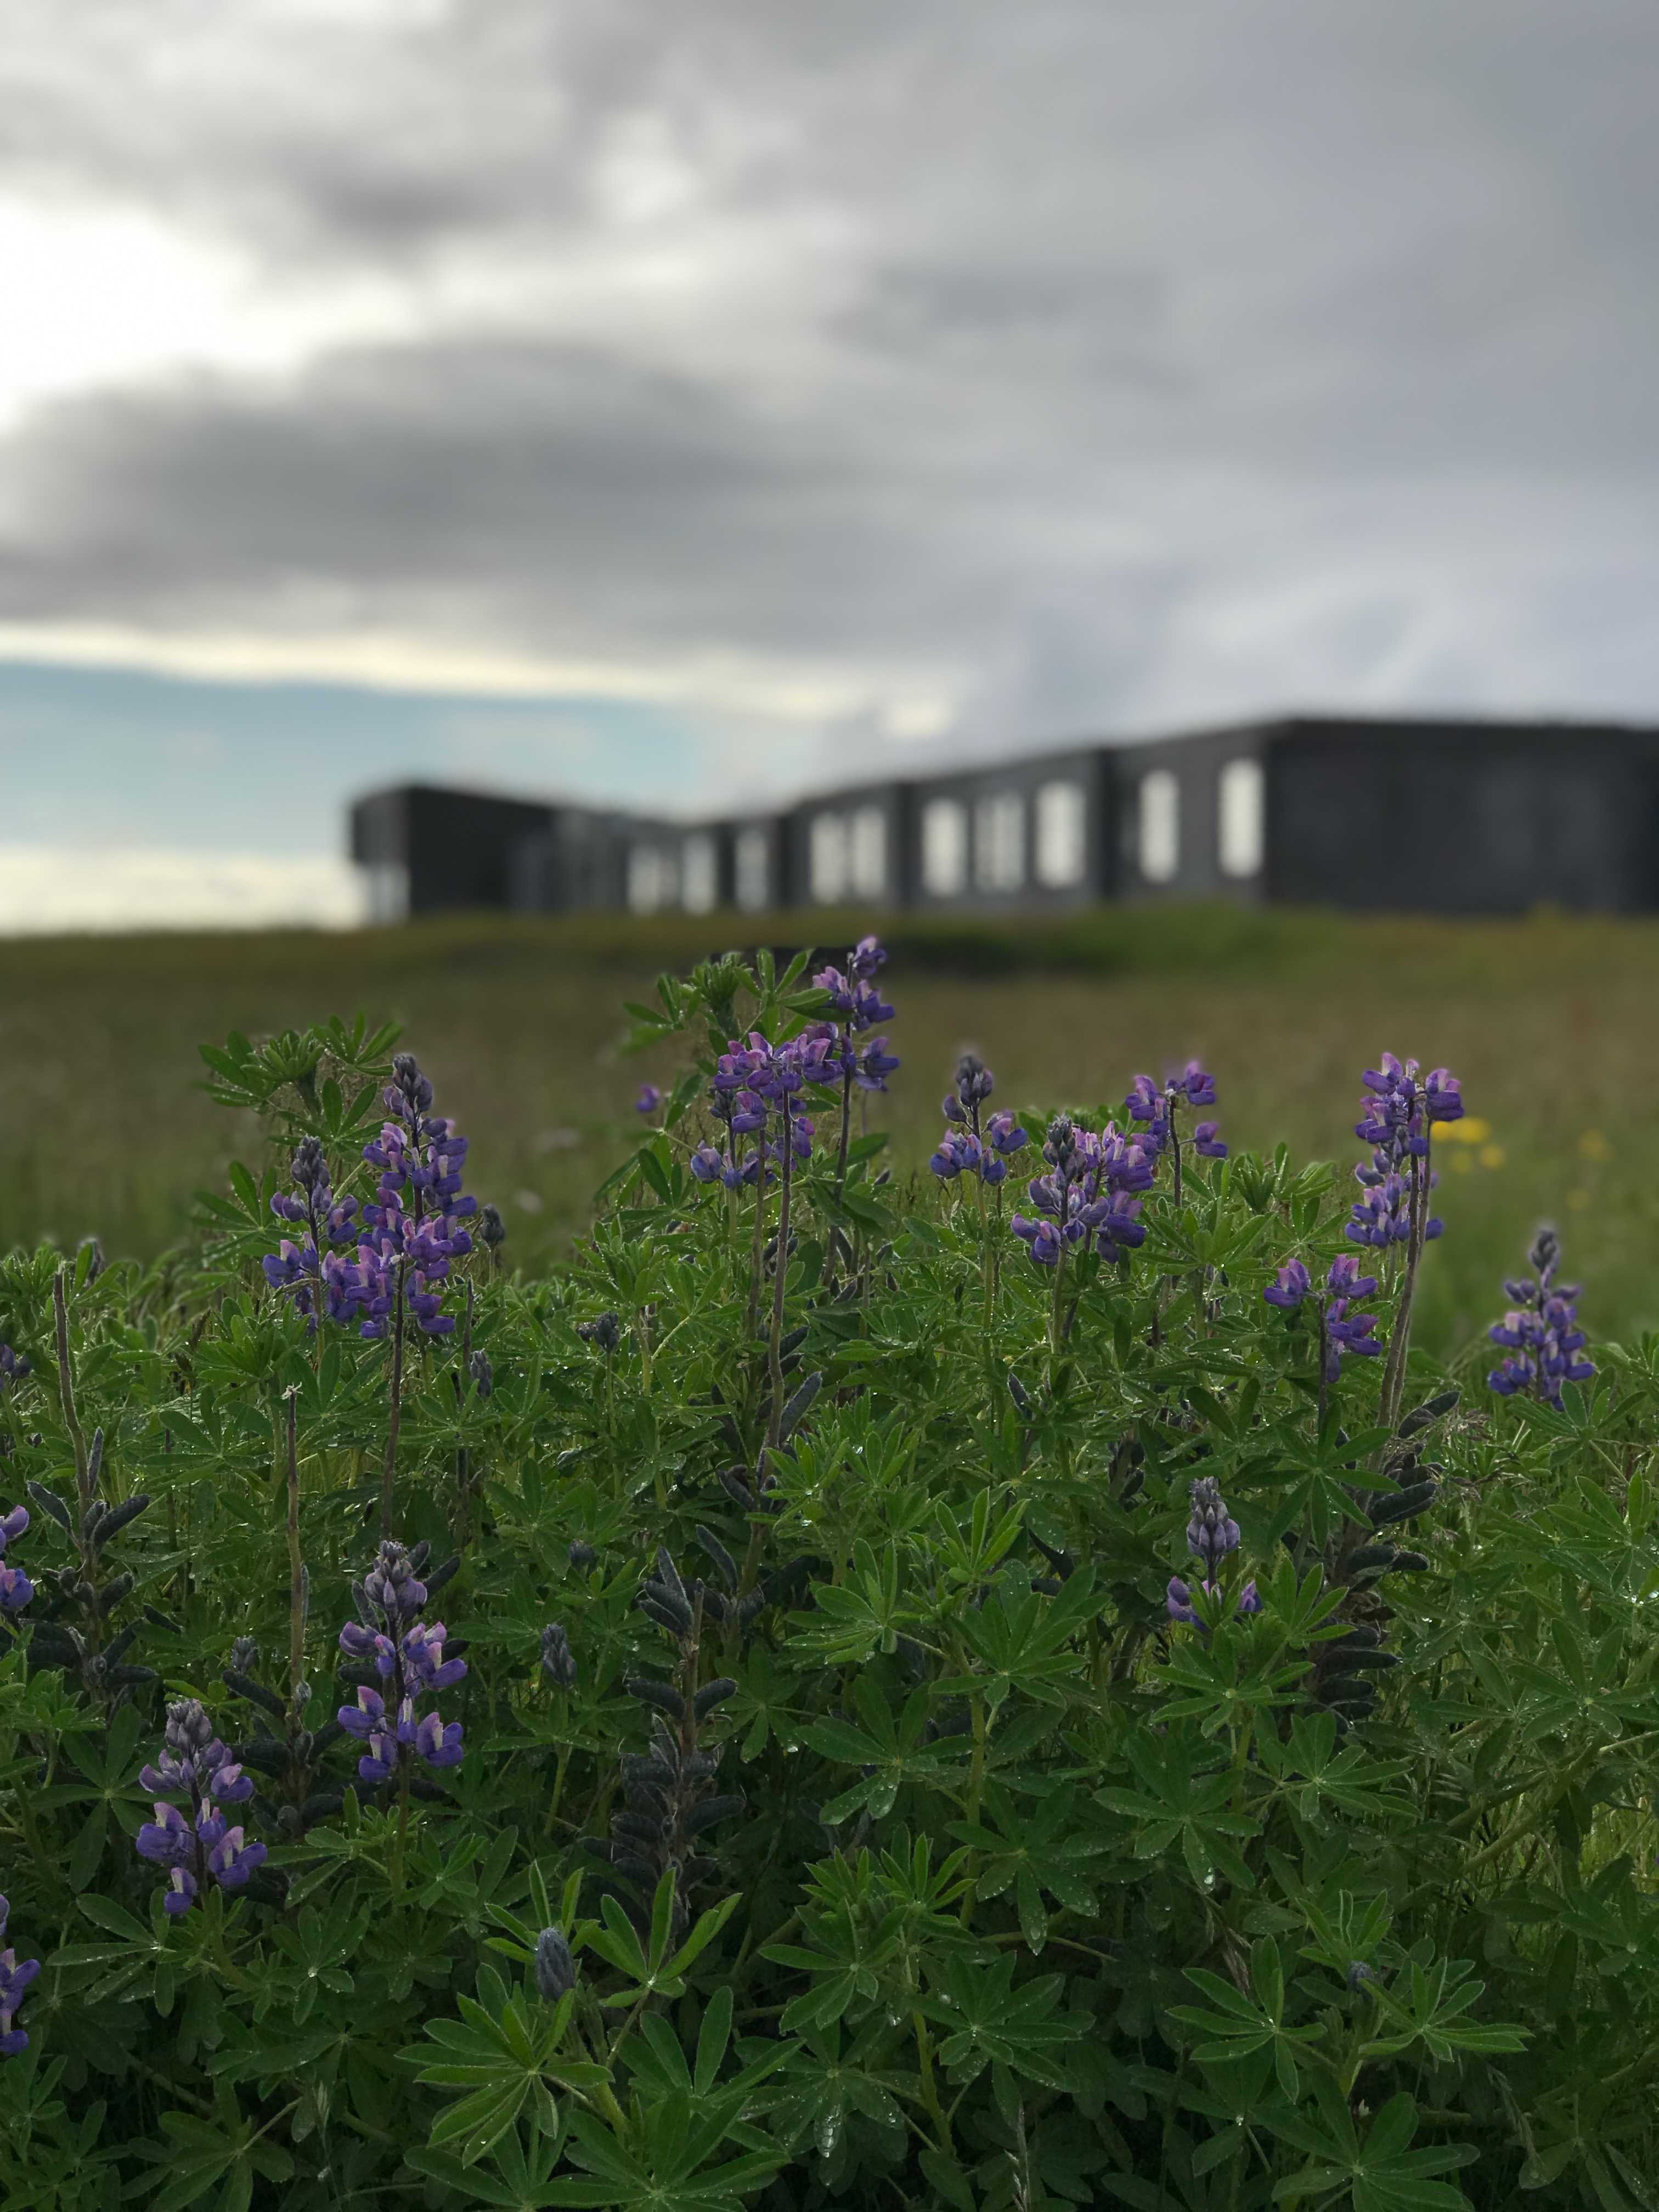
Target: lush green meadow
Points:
(1548, 1021)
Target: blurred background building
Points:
(1458, 817)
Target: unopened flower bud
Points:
(558, 1660)
(555, 1969)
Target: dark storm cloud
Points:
(1082, 364)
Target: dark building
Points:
(1459, 817)
(1463, 818)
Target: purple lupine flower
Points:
(1178, 1601)
(300, 1267)
(1157, 1110)
(866, 959)
(839, 988)
(407, 1656)
(1347, 1335)
(1542, 1330)
(706, 1164)
(971, 1146)
(15, 1975)
(1290, 1286)
(1443, 1095)
(874, 1065)
(1345, 1279)
(1197, 1087)
(1211, 1532)
(959, 1152)
(1042, 1236)
(412, 1225)
(201, 1846)
(648, 1100)
(13, 1367)
(1003, 1135)
(16, 1587)
(1091, 1192)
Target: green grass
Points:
(1547, 1020)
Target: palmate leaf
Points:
(675, 2152)
(987, 2018)
(505, 2053)
(1237, 2024)
(1382, 2173)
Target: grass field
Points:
(1549, 1021)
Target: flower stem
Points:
(780, 1270)
(388, 1472)
(296, 1572)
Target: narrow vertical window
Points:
(700, 884)
(1241, 813)
(754, 869)
(827, 859)
(999, 842)
(1061, 836)
(645, 886)
(867, 856)
(1159, 852)
(943, 848)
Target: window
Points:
(943, 848)
(1240, 811)
(386, 888)
(999, 842)
(868, 856)
(1062, 830)
(700, 881)
(1159, 851)
(651, 878)
(754, 869)
(826, 859)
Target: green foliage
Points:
(1001, 1887)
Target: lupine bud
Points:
(483, 1374)
(555, 1969)
(581, 1556)
(602, 1332)
(1211, 1532)
(558, 1660)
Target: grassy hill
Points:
(1548, 1020)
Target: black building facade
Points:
(1457, 816)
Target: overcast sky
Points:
(658, 402)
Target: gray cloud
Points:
(1087, 365)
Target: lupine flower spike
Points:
(302, 1267)
(1091, 1196)
(1159, 1111)
(407, 1656)
(1211, 1532)
(973, 1145)
(15, 1975)
(1397, 1116)
(1344, 1335)
(1539, 1332)
(16, 1587)
(859, 1007)
(198, 1846)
